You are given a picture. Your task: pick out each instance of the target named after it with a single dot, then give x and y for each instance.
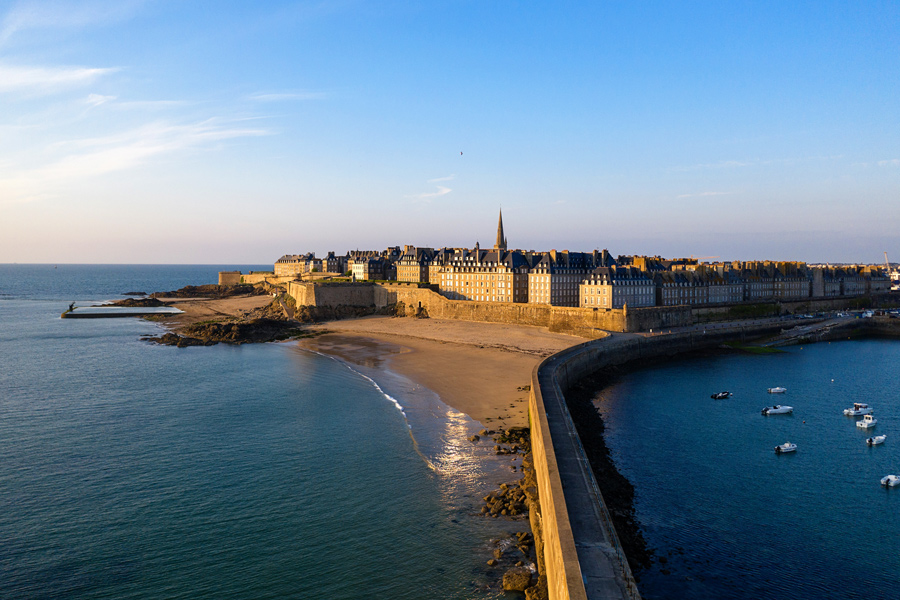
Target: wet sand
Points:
(481, 369)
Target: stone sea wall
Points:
(252, 278)
(568, 576)
(564, 481)
(585, 322)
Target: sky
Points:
(164, 131)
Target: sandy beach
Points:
(481, 369)
(205, 309)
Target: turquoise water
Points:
(731, 518)
(129, 470)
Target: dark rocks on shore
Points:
(173, 339)
(141, 302)
(517, 579)
(135, 294)
(618, 493)
(241, 332)
(212, 291)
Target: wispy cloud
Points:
(287, 96)
(50, 14)
(704, 194)
(47, 80)
(442, 190)
(894, 162)
(440, 179)
(92, 157)
(97, 99)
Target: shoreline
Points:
(489, 381)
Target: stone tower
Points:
(501, 239)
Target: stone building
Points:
(414, 264)
(485, 276)
(555, 277)
(614, 287)
(293, 264)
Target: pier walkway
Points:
(602, 562)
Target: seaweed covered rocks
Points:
(509, 500)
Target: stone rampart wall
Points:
(252, 278)
(585, 322)
(332, 294)
(229, 277)
(565, 576)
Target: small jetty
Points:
(108, 312)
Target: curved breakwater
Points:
(568, 369)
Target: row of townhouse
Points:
(592, 279)
(616, 286)
(298, 264)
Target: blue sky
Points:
(234, 132)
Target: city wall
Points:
(561, 467)
(585, 322)
(252, 278)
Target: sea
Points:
(727, 517)
(135, 471)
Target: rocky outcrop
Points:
(142, 302)
(173, 339)
(517, 579)
(317, 314)
(241, 332)
(212, 291)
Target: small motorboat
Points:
(867, 421)
(777, 410)
(721, 395)
(785, 447)
(890, 480)
(777, 390)
(858, 410)
(875, 440)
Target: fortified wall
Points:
(585, 322)
(582, 556)
(252, 278)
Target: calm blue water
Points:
(733, 519)
(129, 470)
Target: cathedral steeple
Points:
(501, 239)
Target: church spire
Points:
(501, 239)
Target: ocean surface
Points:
(725, 515)
(129, 470)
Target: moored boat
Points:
(867, 421)
(777, 390)
(785, 447)
(875, 440)
(721, 395)
(777, 410)
(890, 480)
(859, 409)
